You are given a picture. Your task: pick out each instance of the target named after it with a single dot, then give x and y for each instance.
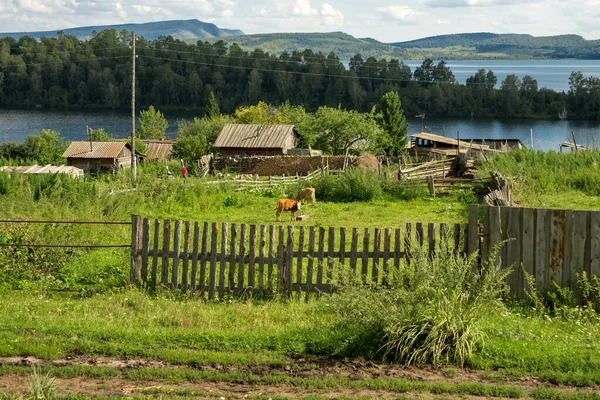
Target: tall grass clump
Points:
(355, 184)
(431, 314)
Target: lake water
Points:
(552, 74)
(15, 125)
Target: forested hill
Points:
(501, 46)
(342, 44)
(191, 29)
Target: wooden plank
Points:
(376, 256)
(495, 232)
(261, 257)
(195, 246)
(280, 260)
(407, 243)
(387, 239)
(354, 253)
(541, 255)
(185, 257)
(557, 245)
(233, 256)
(252, 258)
(365, 256)
(155, 252)
(578, 241)
(342, 258)
(456, 240)
(223, 259)
(485, 243)
(289, 260)
(330, 248)
(320, 258)
(311, 256)
(431, 239)
(513, 249)
(271, 256)
(472, 238)
(595, 243)
(135, 272)
(566, 276)
(164, 278)
(300, 259)
(203, 258)
(242, 258)
(145, 249)
(212, 277)
(177, 252)
(527, 245)
(419, 235)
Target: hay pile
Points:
(367, 161)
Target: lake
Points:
(15, 125)
(552, 74)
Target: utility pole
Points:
(531, 138)
(133, 159)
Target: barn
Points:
(158, 149)
(256, 140)
(99, 156)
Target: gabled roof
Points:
(95, 149)
(256, 136)
(450, 141)
(159, 149)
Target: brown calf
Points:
(287, 205)
(306, 194)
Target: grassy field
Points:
(109, 340)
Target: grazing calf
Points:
(306, 194)
(287, 205)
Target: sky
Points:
(384, 20)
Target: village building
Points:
(73, 172)
(100, 156)
(427, 144)
(158, 149)
(256, 140)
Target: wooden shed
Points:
(100, 156)
(158, 149)
(260, 140)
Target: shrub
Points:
(354, 184)
(431, 314)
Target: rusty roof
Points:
(95, 149)
(159, 149)
(257, 136)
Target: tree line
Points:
(65, 72)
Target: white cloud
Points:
(400, 13)
(303, 8)
(330, 16)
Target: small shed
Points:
(260, 140)
(158, 149)
(100, 156)
(428, 144)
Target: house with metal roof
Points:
(100, 156)
(251, 139)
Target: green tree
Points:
(152, 124)
(195, 138)
(212, 109)
(393, 123)
(100, 135)
(46, 147)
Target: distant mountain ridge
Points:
(510, 45)
(191, 29)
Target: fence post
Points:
(473, 230)
(135, 271)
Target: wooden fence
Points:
(213, 259)
(553, 246)
(272, 180)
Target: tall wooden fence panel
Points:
(552, 246)
(212, 260)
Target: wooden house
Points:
(100, 156)
(426, 144)
(158, 149)
(259, 140)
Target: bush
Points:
(354, 184)
(431, 314)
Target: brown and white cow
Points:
(306, 194)
(287, 205)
